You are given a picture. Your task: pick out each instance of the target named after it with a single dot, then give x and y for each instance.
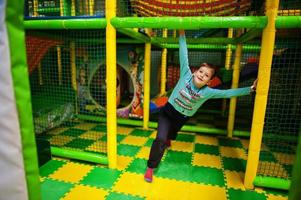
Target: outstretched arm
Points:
(183, 54)
(233, 92)
(216, 94)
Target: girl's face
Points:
(202, 76)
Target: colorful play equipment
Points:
(236, 40)
(71, 47)
(59, 8)
(152, 8)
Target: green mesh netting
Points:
(283, 116)
(67, 73)
(63, 8)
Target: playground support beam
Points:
(190, 23)
(227, 65)
(163, 22)
(146, 83)
(79, 155)
(264, 74)
(295, 192)
(216, 40)
(247, 47)
(235, 81)
(251, 34)
(229, 51)
(93, 23)
(288, 22)
(91, 7)
(163, 67)
(73, 71)
(62, 8)
(195, 23)
(111, 74)
(35, 7)
(251, 47)
(72, 7)
(272, 182)
(40, 74)
(188, 128)
(134, 34)
(59, 64)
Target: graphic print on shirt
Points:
(187, 97)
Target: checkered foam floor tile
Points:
(194, 167)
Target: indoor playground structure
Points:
(99, 72)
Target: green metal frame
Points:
(79, 155)
(134, 34)
(125, 24)
(272, 182)
(94, 23)
(188, 128)
(189, 23)
(195, 23)
(295, 192)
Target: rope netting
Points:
(152, 8)
(64, 8)
(62, 79)
(283, 116)
(245, 104)
(84, 8)
(190, 7)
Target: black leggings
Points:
(169, 123)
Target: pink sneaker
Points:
(148, 176)
(168, 143)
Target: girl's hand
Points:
(253, 87)
(181, 32)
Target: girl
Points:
(189, 94)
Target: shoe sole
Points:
(148, 180)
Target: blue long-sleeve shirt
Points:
(186, 98)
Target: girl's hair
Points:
(210, 66)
